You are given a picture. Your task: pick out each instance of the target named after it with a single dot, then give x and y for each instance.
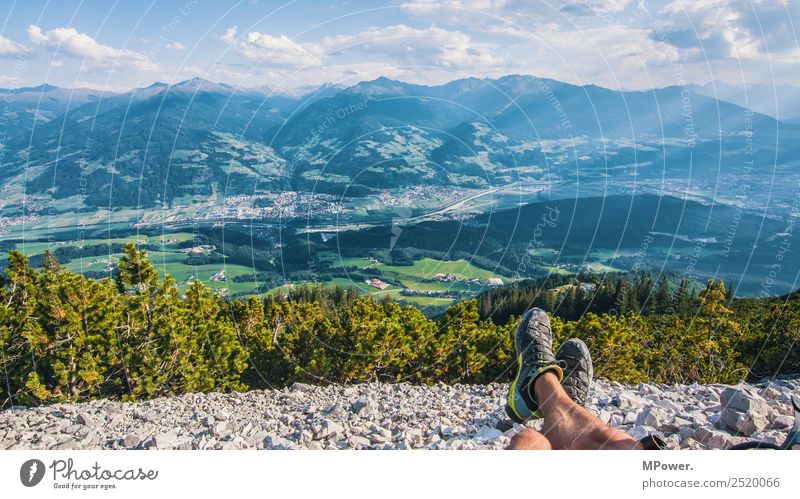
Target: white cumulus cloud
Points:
(400, 44)
(425, 47)
(10, 48)
(69, 42)
(429, 7)
(718, 29)
(270, 50)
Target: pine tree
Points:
(210, 356)
(135, 270)
(22, 340)
(717, 332)
(682, 296)
(663, 297)
(615, 344)
(454, 355)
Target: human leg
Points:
(529, 439)
(567, 425)
(537, 392)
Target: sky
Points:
(619, 44)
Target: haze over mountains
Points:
(174, 144)
(779, 101)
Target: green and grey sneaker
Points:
(576, 361)
(534, 345)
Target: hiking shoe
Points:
(576, 361)
(534, 346)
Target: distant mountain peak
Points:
(43, 88)
(382, 85)
(199, 83)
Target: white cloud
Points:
(477, 12)
(605, 44)
(455, 8)
(176, 46)
(614, 56)
(270, 50)
(717, 29)
(422, 47)
(402, 44)
(10, 48)
(70, 43)
(593, 7)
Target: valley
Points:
(424, 180)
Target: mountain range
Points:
(166, 145)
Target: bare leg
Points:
(529, 439)
(569, 426)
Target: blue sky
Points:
(629, 44)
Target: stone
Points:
(377, 438)
(719, 440)
(219, 429)
(743, 398)
(305, 437)
(393, 416)
(328, 429)
(487, 433)
(165, 440)
(639, 432)
(361, 405)
(744, 423)
(668, 405)
(686, 432)
(652, 416)
(675, 424)
(274, 442)
(771, 393)
(690, 443)
(379, 430)
(744, 411)
(85, 419)
(703, 433)
(673, 441)
(781, 422)
(358, 442)
(72, 429)
(627, 401)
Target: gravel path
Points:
(386, 416)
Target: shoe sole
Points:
(577, 378)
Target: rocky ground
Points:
(383, 416)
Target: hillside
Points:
(198, 141)
(604, 234)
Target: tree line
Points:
(570, 297)
(66, 337)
